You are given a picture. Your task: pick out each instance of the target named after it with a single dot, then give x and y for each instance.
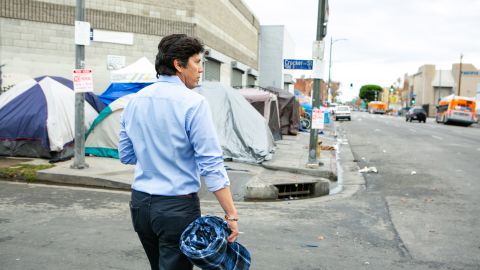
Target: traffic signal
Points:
(413, 101)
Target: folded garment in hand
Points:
(205, 243)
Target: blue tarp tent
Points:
(37, 118)
(117, 90)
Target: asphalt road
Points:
(428, 178)
(427, 220)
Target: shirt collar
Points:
(170, 79)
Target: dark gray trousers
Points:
(159, 222)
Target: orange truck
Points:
(377, 107)
(456, 109)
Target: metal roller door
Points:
(251, 80)
(237, 78)
(212, 70)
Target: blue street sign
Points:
(297, 64)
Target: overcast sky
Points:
(384, 38)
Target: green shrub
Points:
(26, 172)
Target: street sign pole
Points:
(316, 98)
(79, 150)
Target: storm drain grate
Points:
(295, 191)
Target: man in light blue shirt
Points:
(168, 133)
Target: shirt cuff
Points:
(216, 180)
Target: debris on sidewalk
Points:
(309, 245)
(327, 148)
(368, 169)
(413, 173)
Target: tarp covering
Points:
(289, 111)
(266, 104)
(117, 90)
(243, 132)
(37, 118)
(103, 135)
(140, 71)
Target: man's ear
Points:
(178, 65)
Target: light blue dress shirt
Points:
(168, 132)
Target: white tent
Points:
(103, 135)
(37, 118)
(140, 71)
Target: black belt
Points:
(191, 195)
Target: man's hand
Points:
(233, 225)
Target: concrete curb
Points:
(311, 172)
(347, 168)
(80, 180)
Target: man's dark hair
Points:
(176, 46)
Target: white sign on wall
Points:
(82, 80)
(113, 37)
(115, 62)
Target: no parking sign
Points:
(82, 80)
(318, 118)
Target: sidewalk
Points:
(287, 170)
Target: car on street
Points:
(343, 112)
(416, 113)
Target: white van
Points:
(343, 112)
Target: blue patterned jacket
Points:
(205, 243)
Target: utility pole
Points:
(79, 150)
(329, 87)
(316, 98)
(460, 75)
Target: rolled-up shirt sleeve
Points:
(208, 153)
(126, 152)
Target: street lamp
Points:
(332, 41)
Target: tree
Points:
(370, 92)
(334, 90)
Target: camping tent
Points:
(103, 135)
(117, 90)
(37, 118)
(128, 80)
(243, 132)
(266, 104)
(289, 111)
(140, 71)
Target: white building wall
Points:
(276, 44)
(32, 46)
(271, 56)
(288, 53)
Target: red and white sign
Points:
(82, 80)
(318, 119)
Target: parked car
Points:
(416, 113)
(403, 111)
(343, 112)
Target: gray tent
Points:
(266, 104)
(243, 132)
(289, 111)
